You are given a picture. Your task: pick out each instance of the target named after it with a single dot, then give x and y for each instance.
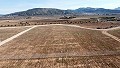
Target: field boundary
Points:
(14, 27)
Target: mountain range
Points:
(117, 8)
(53, 11)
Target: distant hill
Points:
(117, 8)
(52, 11)
(0, 14)
(96, 10)
(41, 11)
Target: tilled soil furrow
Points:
(58, 55)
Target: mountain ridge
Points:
(117, 8)
(54, 11)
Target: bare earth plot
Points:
(44, 47)
(8, 32)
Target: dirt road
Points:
(112, 36)
(14, 27)
(15, 36)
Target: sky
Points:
(11, 6)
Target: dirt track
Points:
(13, 27)
(13, 37)
(114, 37)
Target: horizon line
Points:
(55, 8)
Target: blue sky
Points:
(10, 6)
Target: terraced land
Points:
(8, 32)
(115, 32)
(59, 46)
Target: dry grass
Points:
(70, 62)
(82, 22)
(60, 39)
(6, 33)
(8, 23)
